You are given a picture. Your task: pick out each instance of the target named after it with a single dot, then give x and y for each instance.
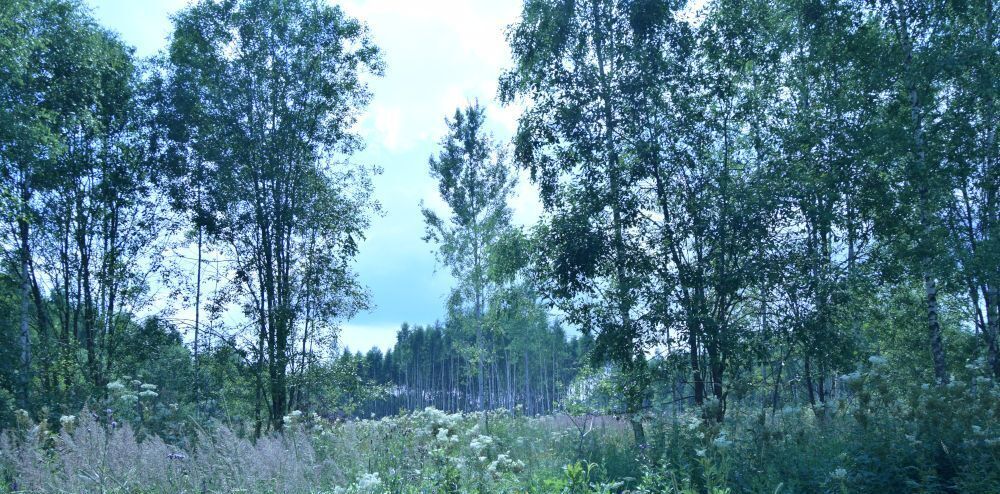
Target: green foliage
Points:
(886, 434)
(774, 224)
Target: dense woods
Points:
(769, 245)
(529, 370)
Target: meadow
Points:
(883, 438)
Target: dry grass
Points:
(91, 457)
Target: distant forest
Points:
(529, 371)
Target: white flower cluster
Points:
(480, 443)
(504, 463)
(369, 482)
(434, 420)
(693, 422)
(445, 435)
(292, 417)
(722, 441)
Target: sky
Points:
(439, 55)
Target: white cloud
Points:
(364, 337)
(388, 122)
(526, 205)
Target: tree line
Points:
(528, 369)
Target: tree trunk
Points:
(24, 375)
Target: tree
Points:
(279, 86)
(475, 182)
(969, 128)
(570, 63)
(72, 153)
(915, 35)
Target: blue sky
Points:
(439, 54)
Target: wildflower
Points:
(67, 420)
(722, 441)
(176, 456)
(480, 443)
(148, 394)
(839, 474)
(700, 452)
(694, 423)
(877, 360)
(442, 434)
(116, 386)
(148, 387)
(292, 417)
(369, 481)
(504, 463)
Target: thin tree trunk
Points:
(24, 375)
(197, 327)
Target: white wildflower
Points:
(877, 360)
(839, 474)
(369, 481)
(292, 417)
(480, 443)
(722, 441)
(693, 423)
(442, 434)
(116, 386)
